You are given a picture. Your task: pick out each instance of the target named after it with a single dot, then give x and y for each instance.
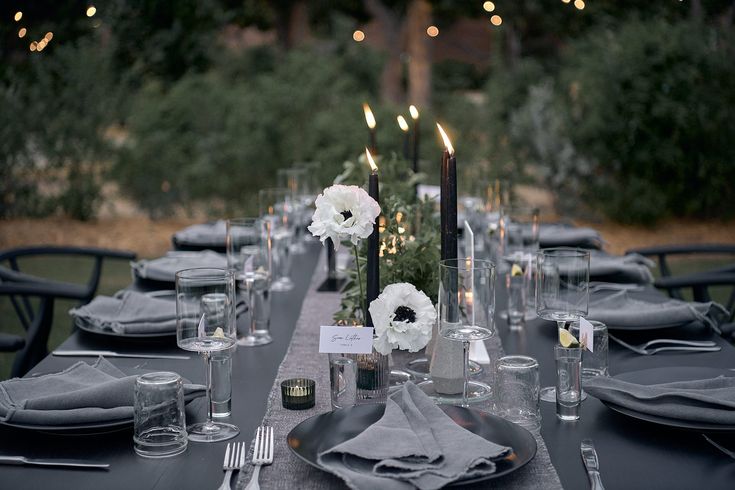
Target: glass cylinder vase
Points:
(373, 377)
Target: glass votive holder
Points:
(342, 380)
(159, 427)
(568, 382)
(517, 390)
(594, 363)
(298, 393)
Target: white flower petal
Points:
(402, 334)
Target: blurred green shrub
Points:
(218, 137)
(651, 107)
(53, 115)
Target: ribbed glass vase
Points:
(373, 377)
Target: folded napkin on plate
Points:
(631, 268)
(704, 400)
(212, 234)
(569, 236)
(414, 445)
(130, 312)
(81, 394)
(165, 268)
(627, 309)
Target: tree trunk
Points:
(391, 29)
(419, 50)
(299, 31)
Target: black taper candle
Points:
(443, 199)
(373, 264)
(416, 137)
(451, 240)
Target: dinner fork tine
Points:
(262, 454)
(234, 459)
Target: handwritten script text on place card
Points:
(345, 340)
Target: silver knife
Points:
(589, 457)
(75, 463)
(109, 353)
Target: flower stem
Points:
(359, 281)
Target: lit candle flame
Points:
(447, 143)
(402, 123)
(370, 160)
(369, 118)
(414, 112)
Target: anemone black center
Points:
(404, 314)
(347, 214)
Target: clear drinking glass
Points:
(159, 427)
(294, 179)
(466, 305)
(205, 323)
(276, 207)
(517, 280)
(342, 380)
(517, 390)
(222, 383)
(594, 363)
(249, 257)
(568, 382)
(562, 289)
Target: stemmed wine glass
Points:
(466, 306)
(562, 291)
(248, 257)
(205, 323)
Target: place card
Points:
(587, 334)
(345, 340)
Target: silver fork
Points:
(262, 453)
(681, 345)
(234, 459)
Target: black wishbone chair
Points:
(32, 297)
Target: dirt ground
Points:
(152, 238)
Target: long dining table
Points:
(633, 454)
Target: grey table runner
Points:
(302, 360)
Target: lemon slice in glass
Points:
(566, 339)
(220, 334)
(516, 270)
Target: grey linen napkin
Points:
(414, 445)
(212, 234)
(81, 394)
(631, 268)
(704, 400)
(130, 312)
(165, 268)
(627, 309)
(551, 235)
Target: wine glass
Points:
(466, 305)
(562, 290)
(248, 257)
(276, 207)
(205, 323)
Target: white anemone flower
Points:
(403, 318)
(344, 212)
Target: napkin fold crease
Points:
(129, 312)
(81, 394)
(703, 400)
(413, 445)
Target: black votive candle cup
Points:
(298, 393)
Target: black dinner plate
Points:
(326, 430)
(110, 333)
(670, 375)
